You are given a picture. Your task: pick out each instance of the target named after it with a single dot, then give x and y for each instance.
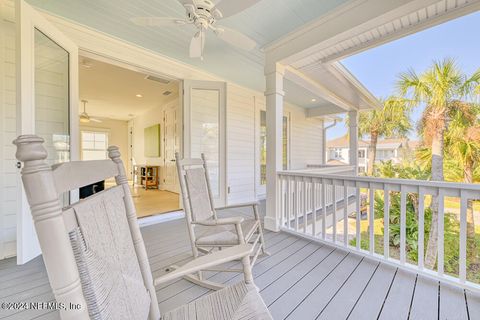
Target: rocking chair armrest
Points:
(220, 222)
(207, 261)
(240, 205)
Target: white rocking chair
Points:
(94, 252)
(207, 231)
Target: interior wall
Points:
(117, 135)
(8, 132)
(147, 119)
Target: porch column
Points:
(274, 99)
(353, 139)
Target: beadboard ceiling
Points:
(264, 22)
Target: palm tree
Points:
(393, 120)
(437, 88)
(462, 142)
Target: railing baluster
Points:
(281, 200)
(345, 214)
(296, 207)
(287, 202)
(324, 209)
(358, 218)
(386, 221)
(403, 223)
(334, 212)
(371, 219)
(305, 206)
(314, 208)
(463, 236)
(441, 221)
(421, 227)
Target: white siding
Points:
(8, 172)
(243, 135)
(305, 139)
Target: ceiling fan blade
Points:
(235, 38)
(197, 44)
(157, 21)
(230, 7)
(96, 120)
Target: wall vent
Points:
(157, 79)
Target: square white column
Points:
(353, 139)
(274, 99)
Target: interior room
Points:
(139, 113)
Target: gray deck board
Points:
(425, 299)
(301, 279)
(347, 296)
(452, 303)
(320, 296)
(371, 301)
(399, 296)
(473, 302)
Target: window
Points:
(263, 146)
(361, 154)
(94, 145)
(338, 153)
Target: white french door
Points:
(204, 115)
(47, 103)
(171, 145)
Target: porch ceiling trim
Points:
(361, 24)
(317, 88)
(396, 28)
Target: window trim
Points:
(94, 130)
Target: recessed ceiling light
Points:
(139, 95)
(313, 100)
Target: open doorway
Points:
(140, 113)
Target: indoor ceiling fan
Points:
(204, 14)
(84, 117)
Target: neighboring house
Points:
(394, 150)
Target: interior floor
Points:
(153, 201)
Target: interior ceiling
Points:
(264, 22)
(111, 91)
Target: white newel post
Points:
(274, 98)
(353, 139)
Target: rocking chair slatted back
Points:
(66, 237)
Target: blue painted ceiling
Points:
(264, 22)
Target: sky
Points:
(379, 67)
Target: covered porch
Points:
(301, 279)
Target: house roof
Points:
(343, 142)
(336, 162)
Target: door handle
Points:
(172, 160)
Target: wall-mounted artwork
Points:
(152, 137)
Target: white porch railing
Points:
(310, 208)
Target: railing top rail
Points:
(388, 181)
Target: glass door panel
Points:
(204, 118)
(205, 132)
(52, 97)
(47, 104)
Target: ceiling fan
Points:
(204, 14)
(84, 117)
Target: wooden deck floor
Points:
(299, 280)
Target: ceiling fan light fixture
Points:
(84, 118)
